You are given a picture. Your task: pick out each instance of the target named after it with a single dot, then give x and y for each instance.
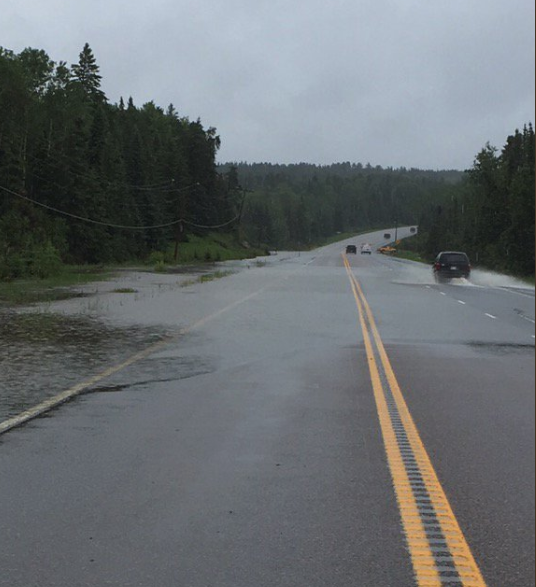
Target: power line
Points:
(111, 225)
(193, 225)
(90, 220)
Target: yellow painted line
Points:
(420, 550)
(84, 385)
(421, 554)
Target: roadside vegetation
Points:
(490, 215)
(49, 289)
(212, 248)
(87, 182)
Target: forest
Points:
(85, 181)
(297, 206)
(490, 214)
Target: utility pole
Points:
(179, 231)
(241, 209)
(178, 238)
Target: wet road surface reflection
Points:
(42, 354)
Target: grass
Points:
(206, 278)
(212, 248)
(209, 249)
(410, 255)
(30, 291)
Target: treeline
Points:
(490, 215)
(86, 181)
(300, 205)
(64, 147)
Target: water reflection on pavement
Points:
(42, 354)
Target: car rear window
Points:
(454, 258)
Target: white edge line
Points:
(460, 302)
(77, 389)
(491, 316)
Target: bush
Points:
(156, 257)
(11, 267)
(40, 261)
(44, 261)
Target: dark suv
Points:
(351, 249)
(450, 264)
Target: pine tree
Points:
(85, 73)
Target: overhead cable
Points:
(111, 225)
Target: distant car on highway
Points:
(387, 235)
(387, 250)
(351, 249)
(366, 249)
(413, 229)
(451, 264)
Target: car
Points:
(351, 249)
(366, 249)
(387, 250)
(451, 264)
(413, 229)
(387, 235)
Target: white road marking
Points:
(491, 316)
(528, 319)
(442, 293)
(77, 389)
(428, 287)
(460, 302)
(507, 289)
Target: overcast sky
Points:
(415, 83)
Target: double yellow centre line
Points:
(439, 551)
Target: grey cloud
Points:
(394, 82)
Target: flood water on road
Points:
(43, 354)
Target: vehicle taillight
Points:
(437, 266)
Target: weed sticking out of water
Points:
(213, 276)
(52, 289)
(77, 331)
(206, 278)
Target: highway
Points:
(324, 420)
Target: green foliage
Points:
(297, 206)
(491, 214)
(44, 261)
(215, 247)
(64, 146)
(29, 290)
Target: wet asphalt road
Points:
(248, 453)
